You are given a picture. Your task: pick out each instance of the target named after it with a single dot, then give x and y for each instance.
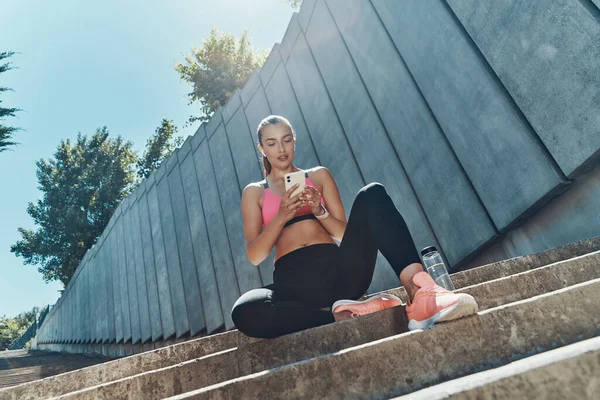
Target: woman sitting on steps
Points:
(311, 272)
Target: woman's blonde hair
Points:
(271, 120)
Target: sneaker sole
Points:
(350, 302)
(465, 306)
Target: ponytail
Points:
(266, 166)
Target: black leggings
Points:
(314, 277)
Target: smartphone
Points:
(292, 178)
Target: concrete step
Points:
(261, 355)
(20, 366)
(570, 372)
(410, 361)
(123, 367)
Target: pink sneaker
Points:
(346, 309)
(432, 303)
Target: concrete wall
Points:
(481, 118)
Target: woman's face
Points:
(278, 144)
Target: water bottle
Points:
(432, 260)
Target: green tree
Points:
(158, 148)
(81, 186)
(13, 328)
(295, 4)
(215, 70)
(6, 132)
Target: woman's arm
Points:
(335, 224)
(259, 242)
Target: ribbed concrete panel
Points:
(256, 110)
(134, 306)
(193, 298)
(250, 87)
(272, 61)
(116, 285)
(306, 12)
(213, 123)
(84, 282)
(229, 192)
(332, 147)
(77, 286)
(140, 268)
(96, 296)
(69, 315)
(160, 262)
(123, 278)
(89, 304)
(91, 300)
(451, 204)
(108, 324)
(247, 170)
(282, 99)
(180, 312)
(289, 38)
(200, 134)
(241, 143)
(546, 54)
(231, 107)
(149, 267)
(185, 148)
(497, 149)
(76, 316)
(211, 303)
(134, 273)
(224, 269)
(97, 282)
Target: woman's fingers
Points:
(288, 193)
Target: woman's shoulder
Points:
(254, 188)
(319, 173)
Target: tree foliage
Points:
(215, 70)
(12, 328)
(6, 132)
(158, 148)
(81, 186)
(295, 4)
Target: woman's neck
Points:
(278, 174)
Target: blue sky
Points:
(87, 64)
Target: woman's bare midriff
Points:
(301, 234)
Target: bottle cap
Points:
(428, 249)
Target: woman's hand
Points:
(289, 206)
(313, 199)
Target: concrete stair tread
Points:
(572, 371)
(20, 366)
(492, 338)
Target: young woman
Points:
(312, 274)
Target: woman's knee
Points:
(372, 192)
(251, 314)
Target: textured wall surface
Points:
(481, 118)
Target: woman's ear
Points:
(259, 147)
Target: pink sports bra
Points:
(271, 203)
